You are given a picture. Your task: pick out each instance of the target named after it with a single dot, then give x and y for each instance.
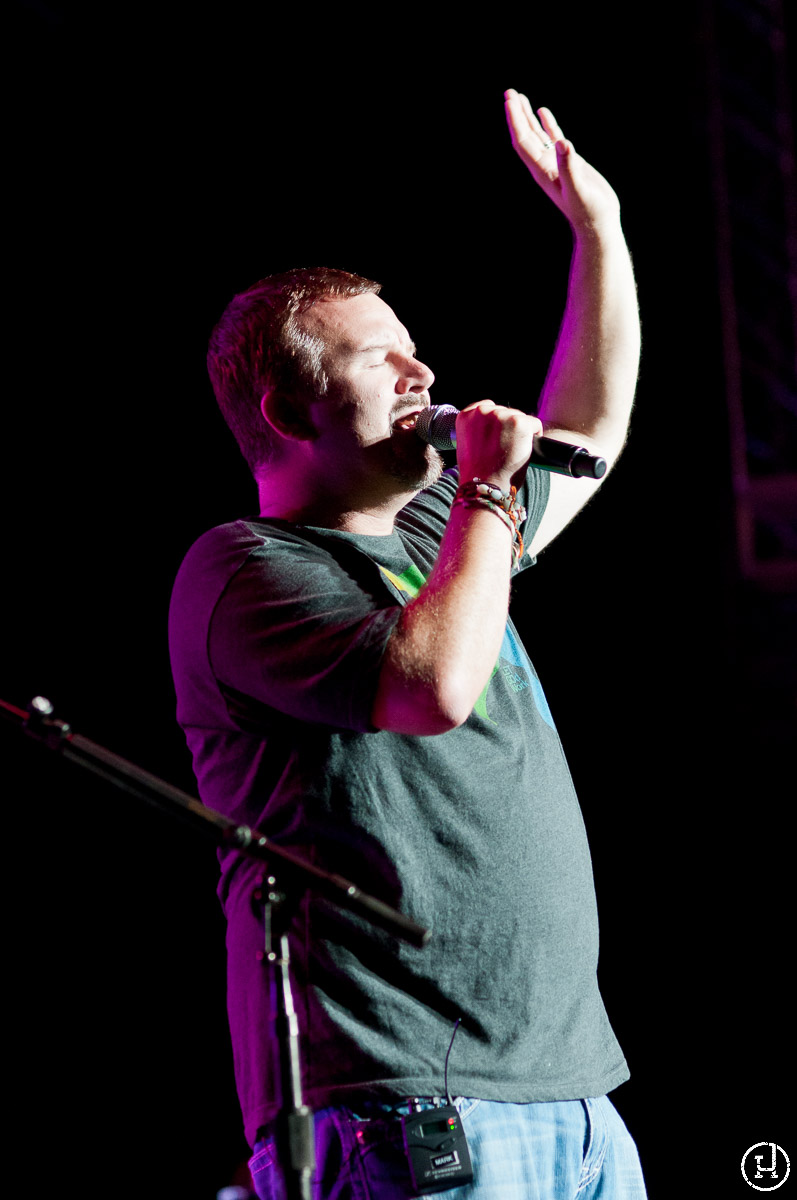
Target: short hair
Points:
(258, 345)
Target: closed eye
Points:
(383, 348)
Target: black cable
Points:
(448, 1055)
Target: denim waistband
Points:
(373, 1106)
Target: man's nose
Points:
(415, 376)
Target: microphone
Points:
(437, 426)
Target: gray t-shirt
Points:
(276, 634)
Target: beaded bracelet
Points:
(478, 493)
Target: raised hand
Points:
(575, 187)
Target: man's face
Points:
(376, 389)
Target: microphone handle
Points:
(437, 425)
(564, 459)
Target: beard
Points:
(414, 463)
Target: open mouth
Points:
(408, 421)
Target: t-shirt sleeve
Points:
(296, 632)
(433, 506)
(534, 495)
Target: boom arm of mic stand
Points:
(295, 1130)
(40, 722)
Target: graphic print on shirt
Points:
(513, 662)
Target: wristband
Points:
(478, 493)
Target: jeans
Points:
(568, 1150)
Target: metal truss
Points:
(751, 134)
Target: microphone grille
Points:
(437, 426)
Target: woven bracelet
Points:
(478, 493)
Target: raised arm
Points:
(429, 680)
(589, 391)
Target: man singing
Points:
(350, 684)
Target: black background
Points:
(159, 162)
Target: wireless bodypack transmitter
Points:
(437, 1149)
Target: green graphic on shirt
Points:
(410, 581)
(480, 707)
(512, 661)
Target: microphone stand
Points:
(295, 1140)
(289, 878)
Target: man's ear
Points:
(287, 416)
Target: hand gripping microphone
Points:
(437, 426)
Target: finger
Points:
(529, 138)
(551, 125)
(521, 116)
(480, 405)
(533, 122)
(566, 162)
(565, 152)
(517, 118)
